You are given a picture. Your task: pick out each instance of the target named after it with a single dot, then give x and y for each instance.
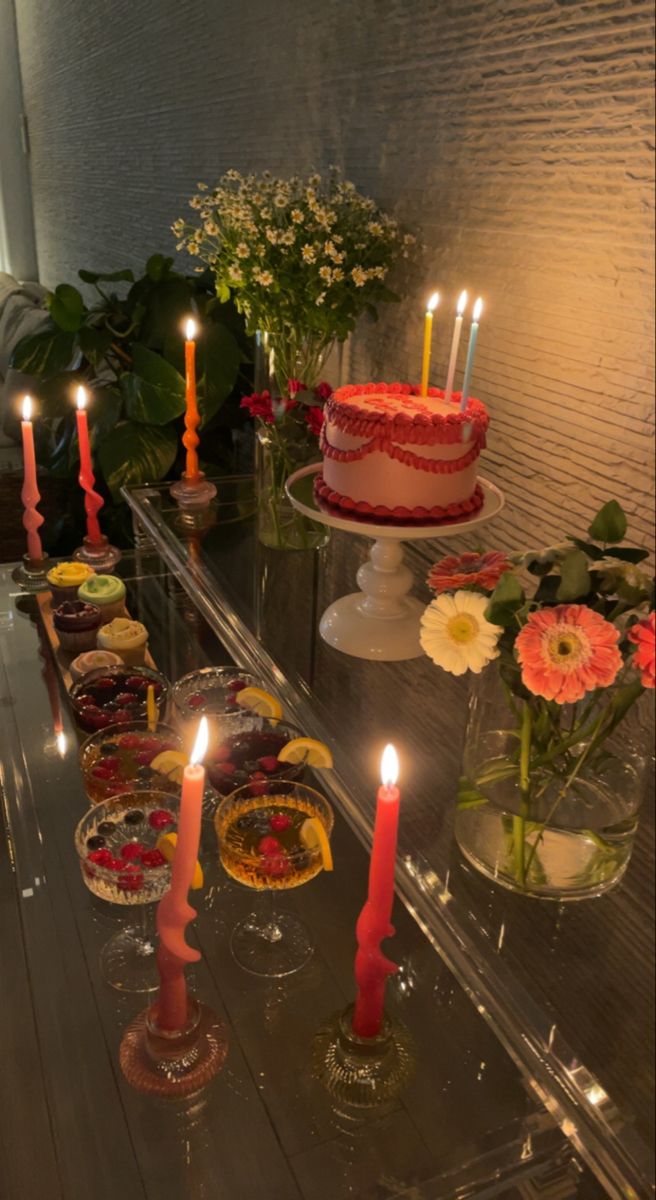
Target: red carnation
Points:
(314, 418)
(323, 391)
(259, 405)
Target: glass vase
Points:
(288, 365)
(549, 796)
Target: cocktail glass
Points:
(116, 696)
(247, 753)
(209, 692)
(273, 842)
(117, 846)
(120, 759)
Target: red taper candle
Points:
(92, 501)
(374, 923)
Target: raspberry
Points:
(145, 757)
(196, 700)
(276, 864)
(104, 684)
(269, 845)
(122, 716)
(133, 850)
(137, 683)
(124, 698)
(102, 857)
(237, 685)
(160, 819)
(228, 768)
(259, 787)
(279, 822)
(111, 763)
(131, 878)
(129, 741)
(269, 763)
(152, 858)
(101, 772)
(221, 754)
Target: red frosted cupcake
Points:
(77, 625)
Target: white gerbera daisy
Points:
(456, 635)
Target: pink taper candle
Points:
(30, 495)
(174, 911)
(374, 922)
(92, 501)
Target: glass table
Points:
(71, 1128)
(566, 989)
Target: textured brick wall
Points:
(517, 134)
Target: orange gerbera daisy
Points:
(643, 635)
(567, 651)
(467, 570)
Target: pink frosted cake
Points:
(390, 454)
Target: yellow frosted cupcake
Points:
(65, 578)
(126, 638)
(107, 592)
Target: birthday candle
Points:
(428, 333)
(460, 308)
(473, 334)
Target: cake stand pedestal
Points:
(381, 621)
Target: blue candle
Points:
(473, 334)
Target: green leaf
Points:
(588, 548)
(167, 304)
(157, 267)
(219, 357)
(609, 524)
(627, 554)
(66, 307)
(223, 292)
(506, 599)
(57, 395)
(154, 392)
(133, 454)
(113, 277)
(45, 353)
(574, 576)
(548, 590)
(94, 343)
(104, 414)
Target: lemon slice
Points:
(314, 837)
(166, 845)
(170, 763)
(307, 750)
(260, 702)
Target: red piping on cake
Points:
(385, 445)
(399, 515)
(420, 426)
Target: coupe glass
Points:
(247, 753)
(209, 692)
(266, 843)
(116, 696)
(127, 829)
(119, 759)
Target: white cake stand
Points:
(381, 621)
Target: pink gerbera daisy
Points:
(467, 570)
(643, 635)
(567, 651)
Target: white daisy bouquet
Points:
(572, 656)
(299, 256)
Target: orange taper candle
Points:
(30, 493)
(192, 419)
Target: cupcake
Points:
(108, 592)
(65, 578)
(92, 660)
(77, 625)
(126, 638)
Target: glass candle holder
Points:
(170, 1063)
(362, 1074)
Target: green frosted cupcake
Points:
(107, 592)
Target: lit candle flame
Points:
(433, 302)
(81, 397)
(200, 745)
(389, 766)
(478, 308)
(462, 301)
(190, 330)
(27, 408)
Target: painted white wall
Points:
(17, 245)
